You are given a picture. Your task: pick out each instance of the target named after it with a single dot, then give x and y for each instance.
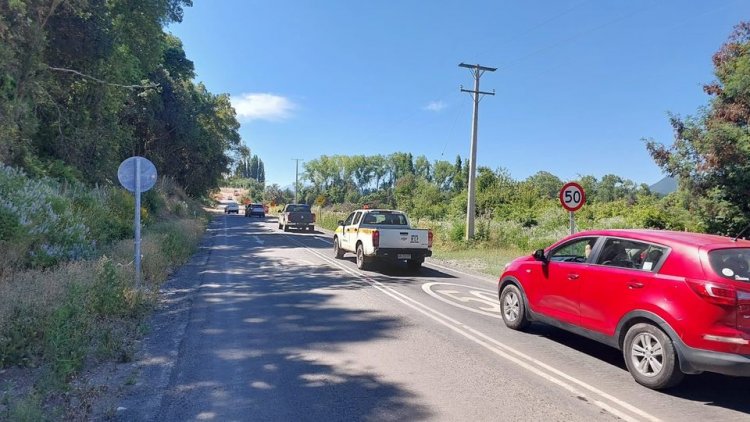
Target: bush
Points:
(66, 334)
(39, 212)
(457, 231)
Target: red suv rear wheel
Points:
(650, 357)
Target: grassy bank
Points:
(67, 296)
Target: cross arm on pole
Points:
(477, 67)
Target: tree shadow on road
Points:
(267, 340)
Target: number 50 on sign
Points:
(572, 196)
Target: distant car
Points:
(255, 210)
(674, 302)
(232, 208)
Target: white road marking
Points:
(474, 276)
(442, 267)
(484, 297)
(527, 362)
(258, 240)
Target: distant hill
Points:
(664, 186)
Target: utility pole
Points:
(296, 178)
(477, 71)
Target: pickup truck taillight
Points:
(429, 238)
(375, 238)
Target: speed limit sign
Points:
(572, 196)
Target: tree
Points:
(363, 172)
(459, 181)
(443, 175)
(710, 155)
(547, 183)
(85, 84)
(422, 168)
(261, 178)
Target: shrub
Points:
(66, 334)
(38, 211)
(457, 231)
(10, 227)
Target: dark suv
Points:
(674, 302)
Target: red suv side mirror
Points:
(539, 255)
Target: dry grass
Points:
(165, 247)
(54, 321)
(487, 261)
(41, 289)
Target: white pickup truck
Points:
(382, 235)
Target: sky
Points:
(579, 83)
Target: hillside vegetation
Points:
(84, 85)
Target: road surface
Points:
(269, 326)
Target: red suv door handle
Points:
(635, 285)
(573, 276)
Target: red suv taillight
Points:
(375, 238)
(716, 293)
(429, 238)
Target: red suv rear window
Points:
(731, 263)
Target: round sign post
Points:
(572, 198)
(137, 174)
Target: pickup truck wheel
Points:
(337, 250)
(362, 263)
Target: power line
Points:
(524, 34)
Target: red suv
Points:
(674, 302)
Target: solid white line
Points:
(499, 348)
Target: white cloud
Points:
(435, 106)
(262, 106)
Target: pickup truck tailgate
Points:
(404, 238)
(299, 217)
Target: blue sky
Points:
(579, 82)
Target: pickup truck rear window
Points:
(387, 218)
(298, 208)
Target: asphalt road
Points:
(267, 325)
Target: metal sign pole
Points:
(137, 224)
(572, 223)
(137, 175)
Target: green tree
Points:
(546, 183)
(422, 168)
(710, 155)
(459, 181)
(443, 175)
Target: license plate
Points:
(404, 256)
